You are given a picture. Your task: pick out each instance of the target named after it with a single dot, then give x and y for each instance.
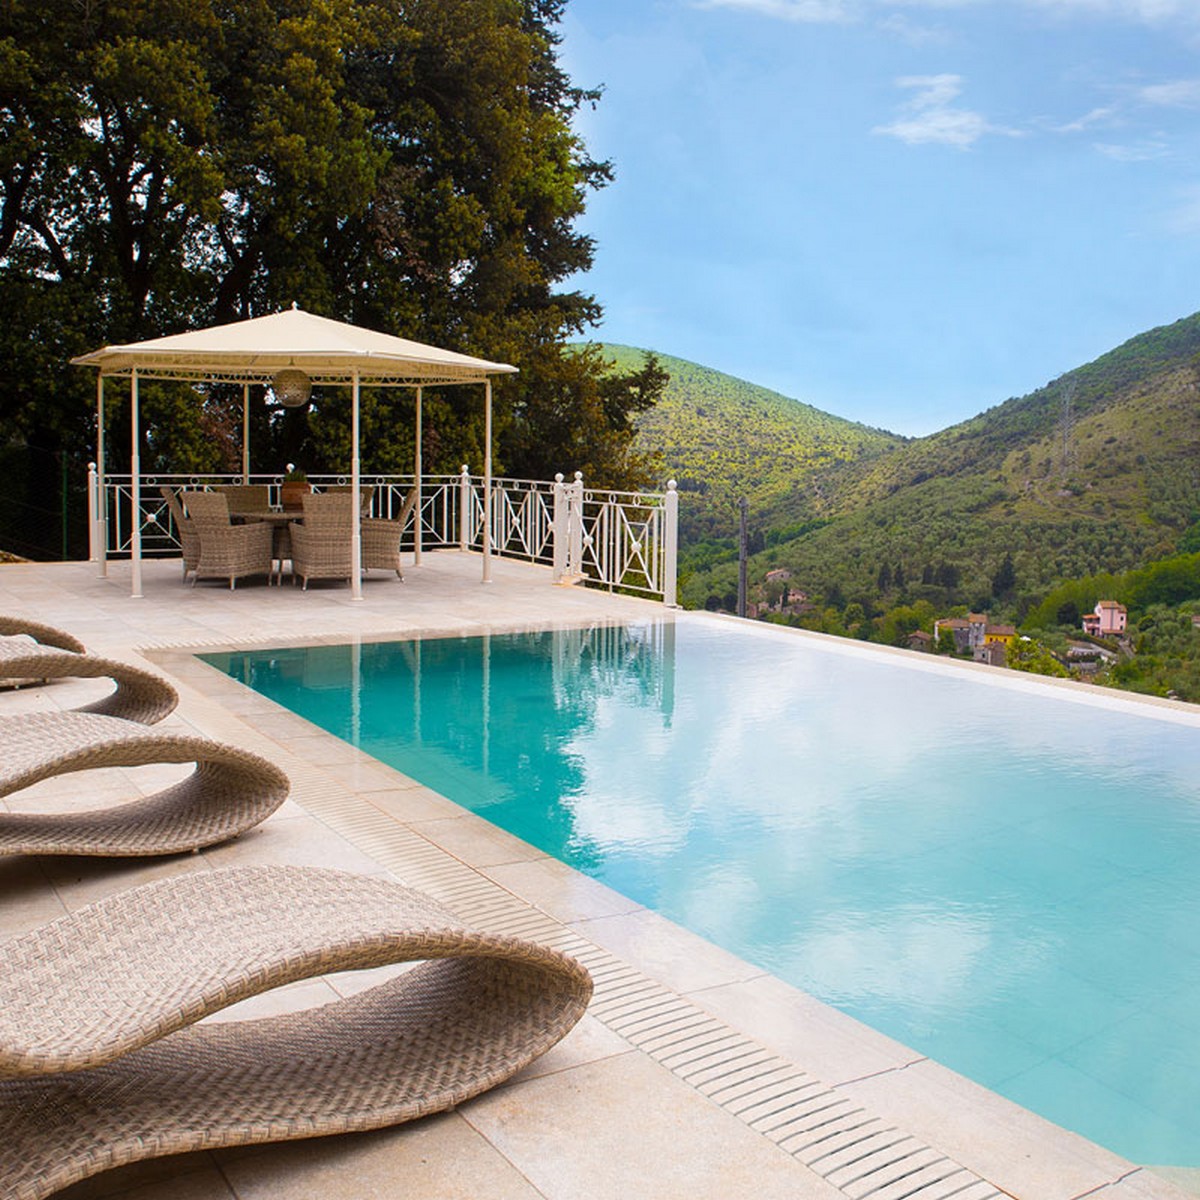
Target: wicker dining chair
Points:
(189, 539)
(227, 551)
(247, 497)
(322, 547)
(90, 1079)
(365, 493)
(381, 538)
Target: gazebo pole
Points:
(245, 433)
(135, 490)
(100, 533)
(356, 498)
(418, 467)
(487, 482)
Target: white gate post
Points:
(135, 490)
(575, 528)
(560, 529)
(101, 531)
(464, 507)
(670, 543)
(93, 508)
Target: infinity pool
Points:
(999, 874)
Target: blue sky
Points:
(900, 211)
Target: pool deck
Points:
(693, 1074)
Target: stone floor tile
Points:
(440, 1157)
(477, 841)
(666, 951)
(833, 1046)
(626, 1127)
(182, 1177)
(560, 890)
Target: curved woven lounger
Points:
(26, 632)
(229, 792)
(139, 695)
(47, 635)
(83, 1089)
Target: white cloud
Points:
(1182, 93)
(912, 33)
(1098, 116)
(828, 11)
(933, 118)
(809, 11)
(1138, 10)
(933, 91)
(1131, 152)
(1184, 219)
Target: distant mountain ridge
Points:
(1097, 471)
(724, 438)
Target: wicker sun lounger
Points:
(229, 792)
(139, 695)
(48, 635)
(101, 1062)
(33, 635)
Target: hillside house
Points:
(975, 635)
(994, 653)
(1086, 658)
(779, 597)
(1108, 620)
(969, 631)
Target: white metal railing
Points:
(619, 540)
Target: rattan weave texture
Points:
(48, 635)
(229, 792)
(101, 1062)
(226, 551)
(322, 546)
(139, 695)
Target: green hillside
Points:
(723, 438)
(1097, 472)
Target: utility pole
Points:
(743, 547)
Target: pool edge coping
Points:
(1107, 1170)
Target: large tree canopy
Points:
(408, 165)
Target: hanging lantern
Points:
(292, 388)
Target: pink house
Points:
(1107, 621)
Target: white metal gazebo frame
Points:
(254, 351)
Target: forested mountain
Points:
(1098, 471)
(723, 438)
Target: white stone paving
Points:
(694, 1074)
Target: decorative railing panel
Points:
(619, 540)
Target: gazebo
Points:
(290, 351)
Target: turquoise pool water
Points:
(1001, 878)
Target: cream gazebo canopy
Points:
(326, 351)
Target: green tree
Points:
(1005, 579)
(575, 414)
(169, 163)
(1025, 654)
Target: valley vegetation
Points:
(1094, 478)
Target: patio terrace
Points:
(694, 1074)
